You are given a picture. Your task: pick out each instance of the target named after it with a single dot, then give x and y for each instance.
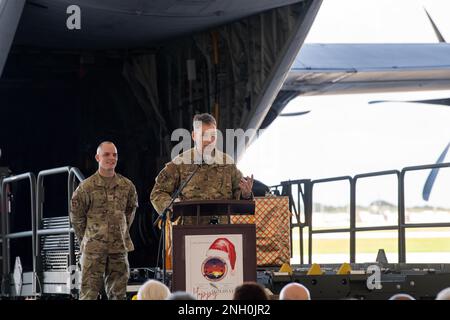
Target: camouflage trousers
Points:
(112, 270)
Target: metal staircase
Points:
(55, 252)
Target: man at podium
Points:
(214, 174)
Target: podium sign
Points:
(210, 261)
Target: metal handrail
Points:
(305, 195)
(37, 200)
(353, 228)
(6, 236)
(401, 226)
(40, 201)
(310, 230)
(73, 174)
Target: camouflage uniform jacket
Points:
(216, 181)
(102, 214)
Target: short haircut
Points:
(204, 118)
(295, 291)
(153, 290)
(402, 296)
(250, 291)
(443, 294)
(99, 148)
(181, 295)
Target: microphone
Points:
(177, 193)
(162, 218)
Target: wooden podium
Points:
(199, 249)
(199, 208)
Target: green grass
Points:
(324, 246)
(437, 229)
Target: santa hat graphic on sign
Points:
(223, 248)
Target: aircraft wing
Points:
(363, 68)
(321, 69)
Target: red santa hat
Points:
(222, 247)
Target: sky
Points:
(379, 21)
(343, 134)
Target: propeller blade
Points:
(435, 28)
(383, 101)
(294, 114)
(432, 176)
(443, 101)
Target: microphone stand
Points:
(163, 216)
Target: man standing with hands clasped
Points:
(102, 211)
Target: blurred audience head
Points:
(250, 291)
(443, 295)
(153, 290)
(402, 296)
(181, 295)
(294, 291)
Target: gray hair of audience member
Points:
(294, 291)
(153, 290)
(402, 296)
(443, 294)
(181, 295)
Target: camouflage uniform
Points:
(101, 214)
(219, 180)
